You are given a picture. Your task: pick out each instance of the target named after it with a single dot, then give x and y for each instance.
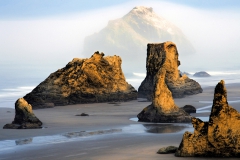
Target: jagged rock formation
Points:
(24, 117)
(201, 74)
(165, 55)
(128, 36)
(163, 109)
(97, 79)
(220, 137)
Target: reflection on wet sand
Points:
(24, 141)
(164, 128)
(83, 133)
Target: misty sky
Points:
(50, 33)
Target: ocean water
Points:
(14, 86)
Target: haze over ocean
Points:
(39, 37)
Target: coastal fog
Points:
(51, 41)
(39, 42)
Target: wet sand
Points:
(107, 133)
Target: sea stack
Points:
(220, 137)
(24, 117)
(165, 55)
(163, 108)
(96, 79)
(127, 36)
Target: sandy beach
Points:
(109, 132)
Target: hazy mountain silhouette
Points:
(128, 37)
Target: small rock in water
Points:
(167, 150)
(201, 74)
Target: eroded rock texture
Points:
(163, 108)
(97, 79)
(220, 137)
(165, 55)
(24, 117)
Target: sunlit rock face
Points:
(165, 55)
(163, 108)
(24, 117)
(220, 137)
(128, 36)
(97, 79)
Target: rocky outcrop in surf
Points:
(201, 74)
(163, 108)
(96, 79)
(24, 117)
(165, 55)
(220, 136)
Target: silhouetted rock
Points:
(24, 117)
(201, 74)
(220, 137)
(128, 36)
(189, 109)
(165, 55)
(97, 79)
(167, 150)
(163, 108)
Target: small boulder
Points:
(24, 117)
(201, 74)
(167, 150)
(189, 109)
(82, 114)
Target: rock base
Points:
(151, 114)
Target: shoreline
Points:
(112, 133)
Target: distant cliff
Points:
(97, 79)
(165, 55)
(128, 36)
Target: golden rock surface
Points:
(163, 108)
(220, 137)
(96, 79)
(165, 55)
(24, 117)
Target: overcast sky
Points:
(50, 33)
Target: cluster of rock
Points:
(24, 117)
(165, 56)
(97, 79)
(220, 137)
